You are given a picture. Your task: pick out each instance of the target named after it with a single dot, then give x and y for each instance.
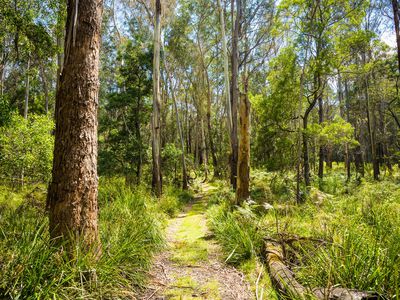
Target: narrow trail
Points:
(192, 267)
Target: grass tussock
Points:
(349, 231)
(131, 232)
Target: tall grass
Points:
(131, 232)
(237, 232)
(365, 230)
(349, 236)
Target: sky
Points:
(389, 38)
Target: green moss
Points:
(190, 248)
(211, 290)
(184, 287)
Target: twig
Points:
(258, 280)
(153, 293)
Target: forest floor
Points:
(192, 266)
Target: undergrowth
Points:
(348, 234)
(131, 228)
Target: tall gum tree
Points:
(155, 121)
(72, 195)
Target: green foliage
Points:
(122, 147)
(336, 132)
(365, 231)
(26, 148)
(32, 269)
(275, 111)
(171, 158)
(173, 200)
(5, 111)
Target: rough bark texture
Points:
(155, 124)
(72, 195)
(243, 180)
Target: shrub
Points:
(27, 148)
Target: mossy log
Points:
(286, 282)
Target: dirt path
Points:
(193, 267)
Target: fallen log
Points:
(280, 274)
(286, 282)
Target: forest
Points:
(209, 149)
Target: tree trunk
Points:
(395, 6)
(321, 147)
(243, 180)
(235, 94)
(226, 68)
(60, 61)
(203, 146)
(208, 113)
(210, 135)
(139, 140)
(180, 131)
(155, 125)
(347, 106)
(371, 125)
(72, 195)
(3, 62)
(306, 159)
(27, 87)
(45, 89)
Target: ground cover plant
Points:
(349, 238)
(32, 270)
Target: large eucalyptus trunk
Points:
(72, 195)
(155, 124)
